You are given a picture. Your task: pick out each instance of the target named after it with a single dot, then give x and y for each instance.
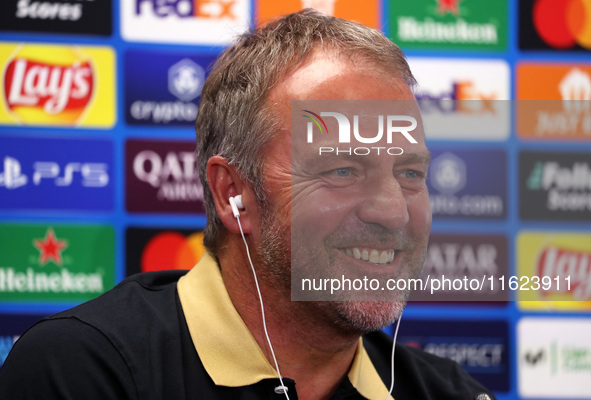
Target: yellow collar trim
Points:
(227, 349)
(364, 377)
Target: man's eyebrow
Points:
(330, 158)
(423, 157)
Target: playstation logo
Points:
(12, 177)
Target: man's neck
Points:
(309, 348)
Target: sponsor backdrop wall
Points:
(97, 175)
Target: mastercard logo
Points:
(562, 24)
(172, 250)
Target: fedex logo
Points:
(213, 9)
(452, 100)
(205, 22)
(463, 98)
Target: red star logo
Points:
(50, 248)
(448, 6)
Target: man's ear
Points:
(224, 182)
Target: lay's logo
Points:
(57, 86)
(554, 270)
(571, 267)
(53, 88)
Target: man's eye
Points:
(409, 173)
(413, 174)
(342, 172)
(340, 176)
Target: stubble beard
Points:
(370, 315)
(351, 316)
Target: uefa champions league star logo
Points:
(448, 174)
(185, 79)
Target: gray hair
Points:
(234, 119)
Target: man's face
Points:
(346, 215)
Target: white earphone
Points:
(236, 204)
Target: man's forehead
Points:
(326, 75)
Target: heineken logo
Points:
(449, 24)
(459, 31)
(56, 263)
(448, 6)
(50, 248)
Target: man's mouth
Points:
(374, 256)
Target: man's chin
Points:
(368, 316)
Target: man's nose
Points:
(384, 203)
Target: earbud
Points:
(236, 204)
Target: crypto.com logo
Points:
(345, 133)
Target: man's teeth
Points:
(372, 255)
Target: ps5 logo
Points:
(12, 177)
(91, 174)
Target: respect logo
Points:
(57, 85)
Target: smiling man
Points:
(288, 209)
(360, 209)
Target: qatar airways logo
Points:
(387, 125)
